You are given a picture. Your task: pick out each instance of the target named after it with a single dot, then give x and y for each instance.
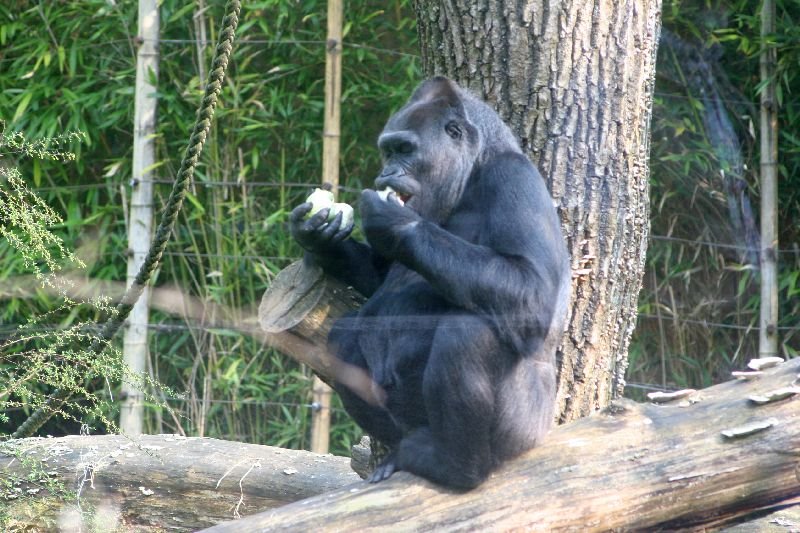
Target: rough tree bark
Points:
(154, 482)
(575, 82)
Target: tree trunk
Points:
(574, 80)
(154, 482)
(634, 467)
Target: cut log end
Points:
(293, 294)
(303, 299)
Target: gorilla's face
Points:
(429, 148)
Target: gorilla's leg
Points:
(525, 407)
(458, 389)
(373, 419)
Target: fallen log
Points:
(784, 521)
(632, 467)
(154, 482)
(708, 459)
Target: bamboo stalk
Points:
(333, 95)
(321, 393)
(768, 330)
(140, 228)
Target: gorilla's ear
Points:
(438, 88)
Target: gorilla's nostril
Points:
(405, 147)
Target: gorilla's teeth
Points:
(384, 193)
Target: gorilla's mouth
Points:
(401, 196)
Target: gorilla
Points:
(467, 277)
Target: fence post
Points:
(140, 226)
(321, 393)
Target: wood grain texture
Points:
(160, 481)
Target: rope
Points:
(176, 197)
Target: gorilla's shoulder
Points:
(510, 165)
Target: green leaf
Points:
(22, 106)
(196, 203)
(37, 173)
(73, 59)
(62, 56)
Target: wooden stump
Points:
(305, 301)
(297, 313)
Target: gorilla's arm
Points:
(352, 263)
(329, 246)
(516, 268)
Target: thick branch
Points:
(633, 467)
(295, 315)
(163, 481)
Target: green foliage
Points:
(34, 360)
(700, 300)
(24, 217)
(70, 66)
(17, 490)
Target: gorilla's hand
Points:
(315, 234)
(385, 223)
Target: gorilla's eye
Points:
(453, 129)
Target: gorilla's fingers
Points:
(327, 232)
(384, 470)
(369, 196)
(343, 233)
(319, 219)
(299, 212)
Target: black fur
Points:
(468, 285)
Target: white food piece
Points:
(320, 199)
(384, 194)
(347, 213)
